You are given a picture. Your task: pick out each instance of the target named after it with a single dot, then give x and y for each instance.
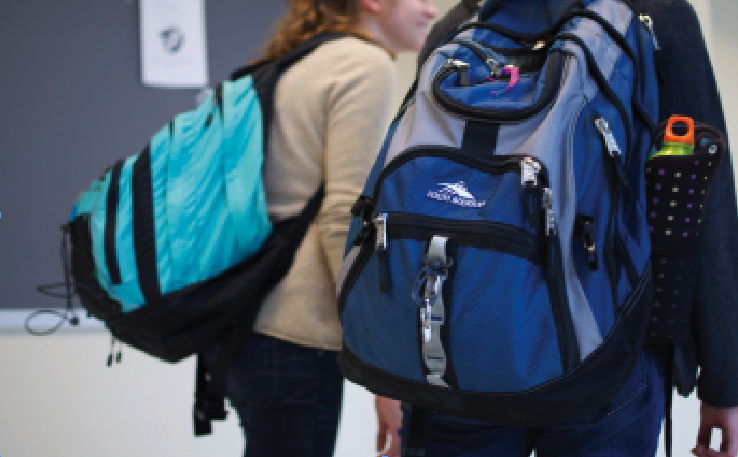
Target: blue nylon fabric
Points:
(215, 202)
(243, 162)
(502, 333)
(503, 337)
(407, 189)
(187, 177)
(128, 291)
(593, 177)
(158, 149)
(395, 348)
(520, 296)
(525, 93)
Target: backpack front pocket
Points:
(508, 251)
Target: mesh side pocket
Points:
(676, 189)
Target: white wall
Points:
(59, 399)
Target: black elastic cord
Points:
(69, 315)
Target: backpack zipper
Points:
(496, 164)
(648, 24)
(527, 60)
(491, 236)
(613, 150)
(554, 73)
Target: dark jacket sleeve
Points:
(689, 88)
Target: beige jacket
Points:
(332, 110)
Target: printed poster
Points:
(173, 47)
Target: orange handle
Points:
(671, 137)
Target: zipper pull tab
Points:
(548, 208)
(380, 222)
(613, 149)
(494, 67)
(112, 353)
(648, 23)
(584, 227)
(529, 170)
(462, 70)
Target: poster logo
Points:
(172, 39)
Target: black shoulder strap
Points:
(417, 433)
(266, 74)
(210, 385)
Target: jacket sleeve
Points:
(689, 88)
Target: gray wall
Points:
(71, 103)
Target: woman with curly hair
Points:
(331, 112)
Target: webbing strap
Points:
(432, 316)
(417, 432)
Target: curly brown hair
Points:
(307, 18)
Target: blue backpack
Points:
(498, 266)
(172, 248)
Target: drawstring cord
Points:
(69, 314)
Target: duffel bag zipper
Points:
(554, 74)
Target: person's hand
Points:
(389, 417)
(725, 419)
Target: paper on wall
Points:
(173, 48)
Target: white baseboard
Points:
(15, 319)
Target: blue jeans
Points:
(629, 428)
(287, 397)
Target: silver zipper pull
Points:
(648, 23)
(457, 63)
(529, 171)
(380, 222)
(462, 70)
(613, 149)
(453, 63)
(548, 202)
(612, 145)
(540, 44)
(494, 67)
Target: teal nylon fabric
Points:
(208, 196)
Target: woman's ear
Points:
(373, 6)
